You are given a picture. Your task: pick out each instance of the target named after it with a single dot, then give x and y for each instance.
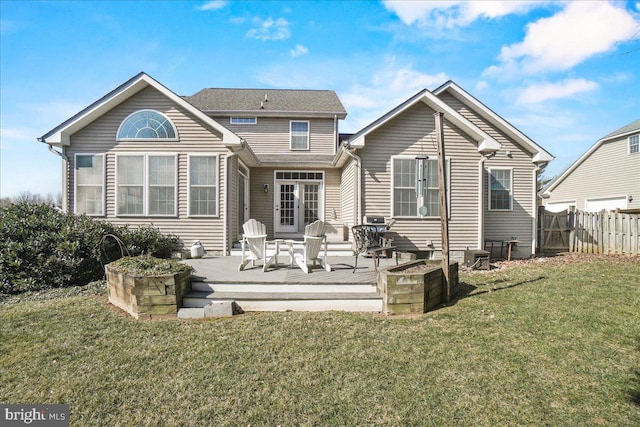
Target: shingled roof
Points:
(268, 101)
(633, 126)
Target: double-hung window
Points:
(500, 189)
(415, 187)
(89, 182)
(634, 144)
(146, 185)
(203, 185)
(299, 135)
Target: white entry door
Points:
(297, 202)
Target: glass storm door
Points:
(299, 200)
(286, 215)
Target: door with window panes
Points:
(298, 200)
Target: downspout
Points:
(65, 163)
(225, 225)
(336, 140)
(359, 187)
(534, 231)
(481, 197)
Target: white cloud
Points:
(537, 93)
(560, 42)
(212, 5)
(299, 50)
(386, 89)
(448, 14)
(18, 134)
(270, 29)
(481, 86)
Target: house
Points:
(199, 166)
(606, 177)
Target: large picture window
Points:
(89, 182)
(203, 185)
(147, 124)
(299, 135)
(146, 185)
(500, 189)
(415, 187)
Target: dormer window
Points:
(147, 125)
(634, 144)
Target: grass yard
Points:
(552, 342)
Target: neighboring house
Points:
(200, 166)
(606, 177)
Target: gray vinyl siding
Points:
(262, 204)
(412, 133)
(100, 137)
(348, 193)
(233, 199)
(518, 222)
(271, 135)
(610, 171)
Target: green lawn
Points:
(541, 343)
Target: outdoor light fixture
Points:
(630, 198)
(265, 187)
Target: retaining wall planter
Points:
(415, 287)
(147, 297)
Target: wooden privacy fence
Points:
(605, 233)
(588, 232)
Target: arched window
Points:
(147, 124)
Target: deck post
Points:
(444, 214)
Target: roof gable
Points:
(268, 102)
(486, 144)
(60, 135)
(539, 154)
(626, 130)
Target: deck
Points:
(285, 288)
(224, 269)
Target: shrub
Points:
(42, 247)
(147, 265)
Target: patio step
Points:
(286, 297)
(334, 249)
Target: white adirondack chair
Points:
(255, 238)
(314, 239)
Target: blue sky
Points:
(564, 73)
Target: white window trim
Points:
(391, 182)
(217, 157)
(231, 120)
(308, 135)
(146, 186)
(629, 144)
(75, 182)
(175, 129)
(489, 208)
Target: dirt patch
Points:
(560, 259)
